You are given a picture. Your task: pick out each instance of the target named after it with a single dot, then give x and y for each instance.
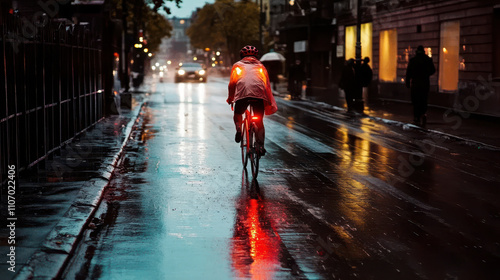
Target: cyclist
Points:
(249, 83)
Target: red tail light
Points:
(255, 118)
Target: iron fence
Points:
(51, 87)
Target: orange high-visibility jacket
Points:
(249, 78)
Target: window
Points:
(350, 42)
(366, 41)
(388, 55)
(449, 56)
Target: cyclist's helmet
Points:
(249, 51)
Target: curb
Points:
(48, 261)
(468, 142)
(404, 125)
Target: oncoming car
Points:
(191, 71)
(162, 74)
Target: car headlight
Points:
(181, 72)
(201, 72)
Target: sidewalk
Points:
(464, 127)
(56, 198)
(468, 127)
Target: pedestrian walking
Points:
(348, 84)
(296, 75)
(419, 69)
(366, 76)
(366, 72)
(273, 69)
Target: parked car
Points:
(191, 71)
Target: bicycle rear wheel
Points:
(254, 152)
(245, 144)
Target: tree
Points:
(227, 25)
(157, 27)
(157, 4)
(145, 15)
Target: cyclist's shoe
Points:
(262, 151)
(237, 137)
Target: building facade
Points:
(459, 35)
(303, 30)
(177, 48)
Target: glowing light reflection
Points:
(255, 252)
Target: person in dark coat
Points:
(273, 69)
(366, 77)
(348, 84)
(296, 75)
(420, 68)
(367, 73)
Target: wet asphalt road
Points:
(339, 197)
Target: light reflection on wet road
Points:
(337, 199)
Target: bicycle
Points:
(250, 147)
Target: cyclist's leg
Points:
(240, 107)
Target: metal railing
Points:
(51, 88)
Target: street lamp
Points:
(358, 94)
(308, 46)
(260, 24)
(358, 33)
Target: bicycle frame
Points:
(250, 148)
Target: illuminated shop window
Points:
(350, 42)
(449, 56)
(388, 55)
(366, 41)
